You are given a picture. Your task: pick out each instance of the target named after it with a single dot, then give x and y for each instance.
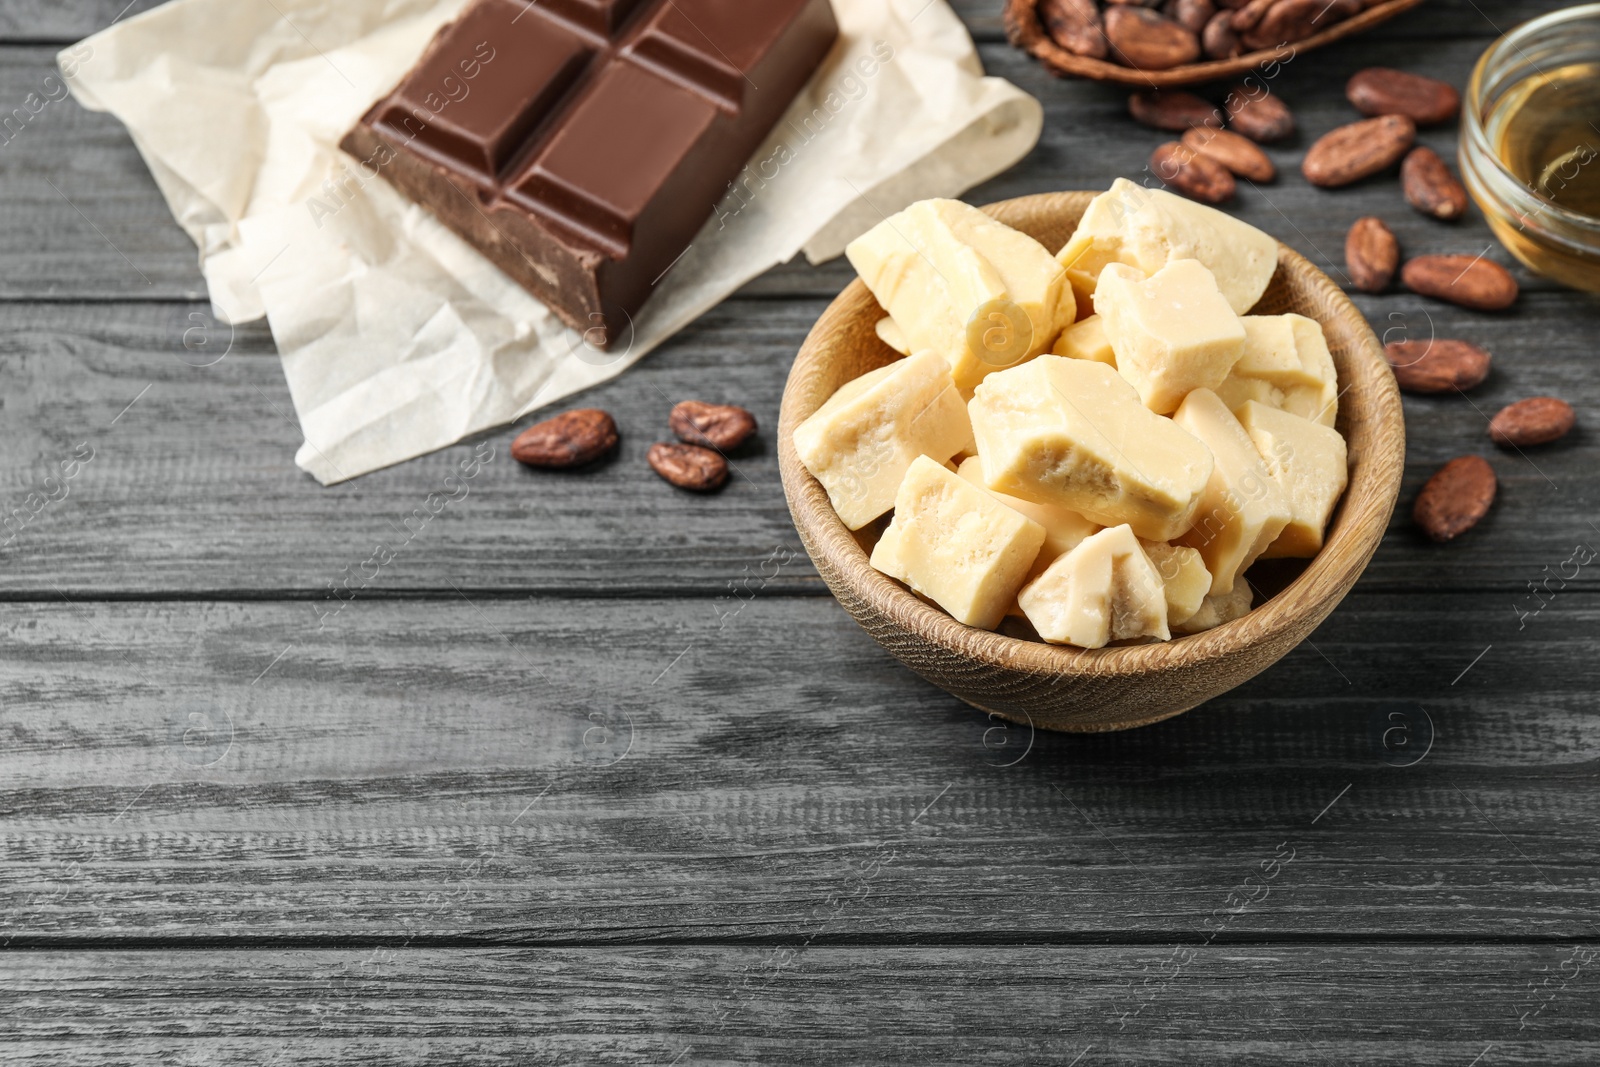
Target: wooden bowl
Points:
(1083, 690)
(1027, 33)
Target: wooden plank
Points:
(810, 1004)
(192, 490)
(66, 20)
(571, 771)
(102, 231)
(79, 213)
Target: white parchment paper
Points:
(398, 338)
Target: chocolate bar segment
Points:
(708, 44)
(474, 103)
(581, 144)
(603, 186)
(600, 17)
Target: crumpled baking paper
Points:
(397, 338)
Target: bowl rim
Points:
(1024, 31)
(1358, 526)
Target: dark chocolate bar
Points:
(581, 144)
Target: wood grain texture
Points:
(1159, 1004)
(193, 488)
(63, 20)
(1091, 690)
(190, 766)
(194, 492)
(597, 771)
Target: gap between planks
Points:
(812, 588)
(934, 943)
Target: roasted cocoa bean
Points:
(570, 439)
(1361, 149)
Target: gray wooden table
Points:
(597, 772)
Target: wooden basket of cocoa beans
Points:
(1164, 43)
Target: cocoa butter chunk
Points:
(957, 545)
(890, 333)
(982, 295)
(1184, 577)
(1218, 609)
(1086, 339)
(1149, 228)
(1071, 432)
(1243, 509)
(1172, 332)
(861, 442)
(1063, 529)
(1285, 365)
(1308, 462)
(1106, 589)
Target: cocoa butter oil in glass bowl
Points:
(1530, 143)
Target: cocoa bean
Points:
(1218, 38)
(1437, 366)
(1239, 154)
(1456, 498)
(1188, 172)
(691, 467)
(1250, 15)
(1359, 150)
(1173, 110)
(570, 439)
(1470, 281)
(720, 426)
(1430, 187)
(1371, 254)
(1386, 91)
(1537, 420)
(1146, 40)
(1288, 21)
(1258, 114)
(1193, 15)
(1075, 25)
